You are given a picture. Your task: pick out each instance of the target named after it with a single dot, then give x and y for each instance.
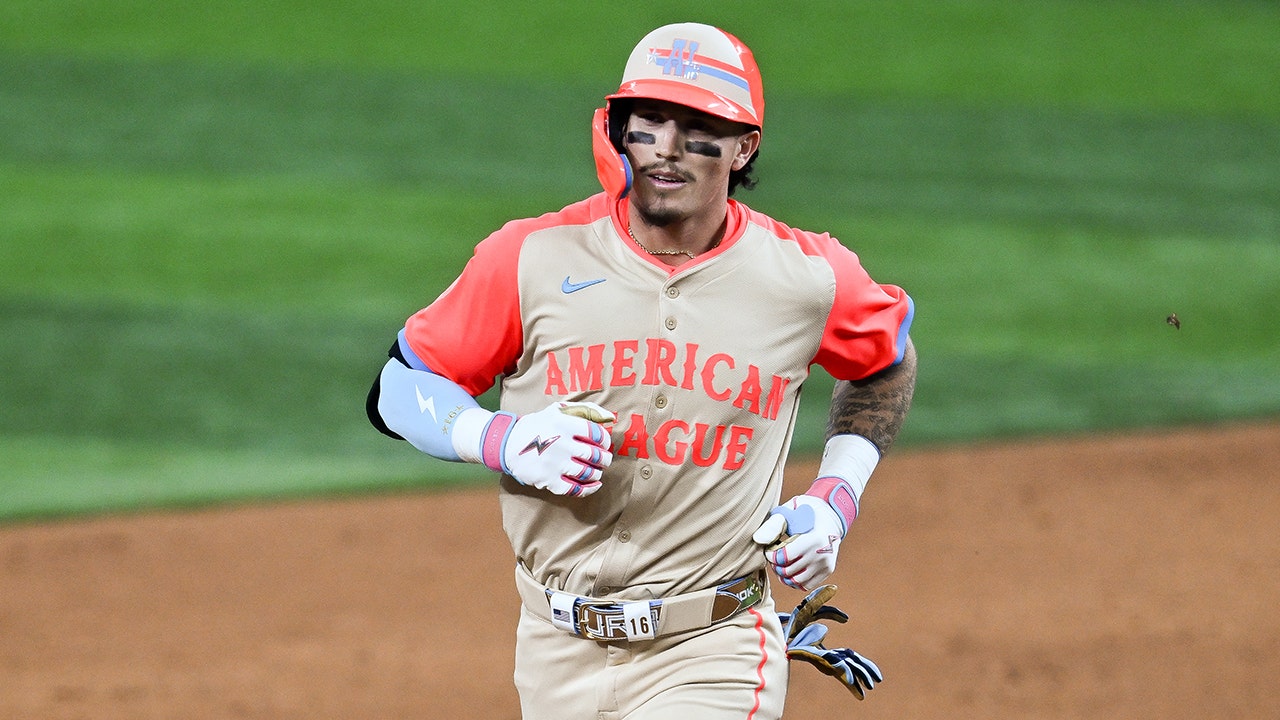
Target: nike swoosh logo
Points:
(567, 286)
(425, 404)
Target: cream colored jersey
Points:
(703, 365)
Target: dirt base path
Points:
(1131, 576)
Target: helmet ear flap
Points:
(612, 168)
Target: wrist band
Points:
(493, 440)
(837, 493)
(847, 464)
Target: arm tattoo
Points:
(875, 407)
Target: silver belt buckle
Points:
(608, 621)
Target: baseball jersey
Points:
(703, 365)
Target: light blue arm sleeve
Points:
(420, 406)
(407, 354)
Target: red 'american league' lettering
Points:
(662, 362)
(675, 441)
(658, 362)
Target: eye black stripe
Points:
(702, 148)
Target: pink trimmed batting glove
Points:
(563, 448)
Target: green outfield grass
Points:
(215, 217)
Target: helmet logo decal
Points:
(683, 62)
(680, 59)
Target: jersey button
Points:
(671, 323)
(660, 401)
(646, 472)
(624, 536)
(673, 292)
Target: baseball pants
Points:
(734, 670)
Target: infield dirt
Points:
(1122, 576)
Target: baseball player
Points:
(651, 342)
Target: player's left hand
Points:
(802, 539)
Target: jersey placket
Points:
(650, 473)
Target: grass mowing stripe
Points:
(1122, 173)
(201, 118)
(1027, 331)
(983, 396)
(1036, 295)
(1130, 55)
(253, 243)
(112, 407)
(1100, 170)
(1208, 58)
(195, 377)
(53, 476)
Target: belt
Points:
(617, 620)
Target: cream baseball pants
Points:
(733, 670)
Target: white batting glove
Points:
(802, 539)
(563, 448)
(802, 536)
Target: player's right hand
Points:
(563, 448)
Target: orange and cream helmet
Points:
(692, 64)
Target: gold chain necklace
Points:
(686, 253)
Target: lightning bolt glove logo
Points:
(569, 286)
(538, 444)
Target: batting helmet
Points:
(692, 64)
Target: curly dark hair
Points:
(744, 177)
(620, 110)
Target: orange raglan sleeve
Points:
(472, 333)
(869, 322)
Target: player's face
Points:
(681, 159)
